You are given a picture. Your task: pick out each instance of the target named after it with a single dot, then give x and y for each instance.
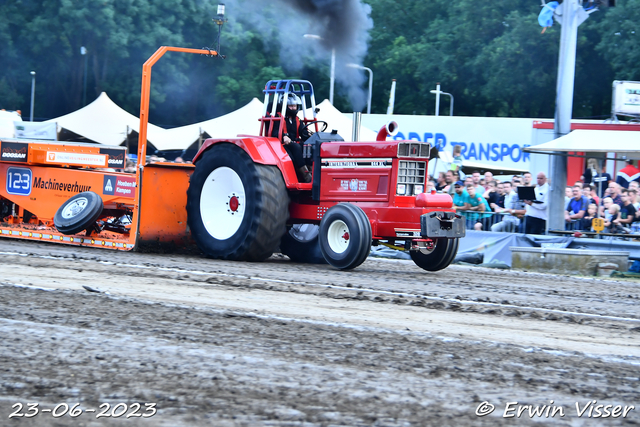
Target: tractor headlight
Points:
(402, 189)
(418, 188)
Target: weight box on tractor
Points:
(240, 199)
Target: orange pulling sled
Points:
(56, 183)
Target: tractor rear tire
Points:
(78, 213)
(300, 243)
(236, 209)
(439, 258)
(345, 236)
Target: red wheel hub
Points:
(233, 204)
(345, 236)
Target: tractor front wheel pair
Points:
(343, 239)
(345, 236)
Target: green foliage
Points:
(619, 41)
(491, 56)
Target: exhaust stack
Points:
(389, 129)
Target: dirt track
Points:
(277, 343)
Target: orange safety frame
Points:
(149, 231)
(158, 216)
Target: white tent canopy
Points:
(593, 141)
(243, 121)
(6, 123)
(104, 122)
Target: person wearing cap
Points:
(460, 197)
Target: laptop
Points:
(527, 193)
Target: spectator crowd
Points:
(493, 205)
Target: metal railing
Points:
(497, 220)
(615, 231)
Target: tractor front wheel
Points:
(437, 258)
(345, 236)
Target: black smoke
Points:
(343, 26)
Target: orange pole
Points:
(146, 90)
(144, 120)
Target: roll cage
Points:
(274, 111)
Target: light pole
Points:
(438, 92)
(333, 65)
(360, 67)
(83, 52)
(33, 91)
(571, 15)
(220, 20)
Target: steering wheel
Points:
(326, 125)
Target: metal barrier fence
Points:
(575, 225)
(498, 220)
(585, 226)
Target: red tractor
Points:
(245, 199)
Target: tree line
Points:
(491, 56)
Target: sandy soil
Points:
(277, 343)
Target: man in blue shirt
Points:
(477, 204)
(460, 197)
(577, 206)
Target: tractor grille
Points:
(414, 149)
(411, 177)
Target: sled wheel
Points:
(345, 236)
(300, 243)
(78, 213)
(439, 257)
(236, 209)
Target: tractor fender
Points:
(262, 150)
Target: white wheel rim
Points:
(424, 249)
(338, 236)
(222, 203)
(75, 207)
(304, 232)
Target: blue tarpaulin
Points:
(495, 246)
(487, 247)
